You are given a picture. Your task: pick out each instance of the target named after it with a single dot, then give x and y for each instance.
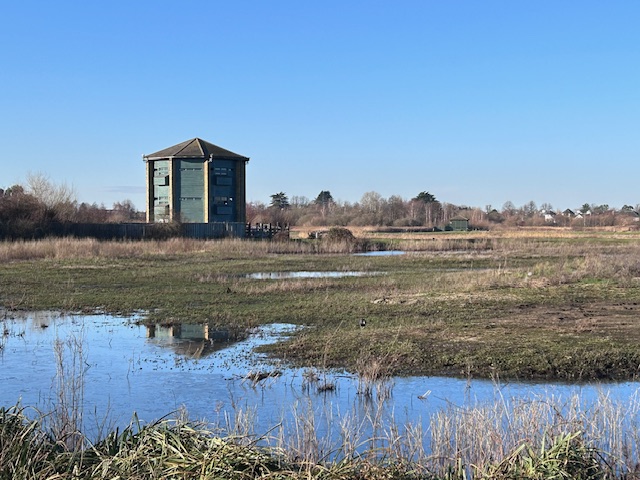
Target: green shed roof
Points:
(194, 148)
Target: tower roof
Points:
(194, 148)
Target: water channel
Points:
(154, 371)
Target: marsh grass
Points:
(554, 242)
(527, 303)
(541, 437)
(374, 376)
(85, 248)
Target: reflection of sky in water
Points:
(281, 275)
(380, 253)
(126, 372)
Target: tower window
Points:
(222, 171)
(223, 200)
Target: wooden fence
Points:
(264, 230)
(145, 231)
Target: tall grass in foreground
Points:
(508, 439)
(65, 422)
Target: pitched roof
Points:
(194, 148)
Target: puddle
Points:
(307, 274)
(129, 367)
(156, 370)
(381, 253)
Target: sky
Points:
(476, 102)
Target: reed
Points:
(543, 437)
(66, 418)
(71, 248)
(374, 375)
(546, 241)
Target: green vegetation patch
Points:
(526, 307)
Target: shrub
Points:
(339, 234)
(164, 231)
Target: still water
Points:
(154, 371)
(307, 274)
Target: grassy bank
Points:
(552, 304)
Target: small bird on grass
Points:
(362, 322)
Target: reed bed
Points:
(536, 438)
(511, 433)
(85, 248)
(554, 244)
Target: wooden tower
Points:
(196, 182)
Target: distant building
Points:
(549, 216)
(459, 223)
(196, 182)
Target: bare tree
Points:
(508, 208)
(299, 201)
(547, 207)
(40, 186)
(529, 209)
(59, 200)
(371, 202)
(124, 211)
(395, 209)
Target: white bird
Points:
(424, 395)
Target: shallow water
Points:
(156, 371)
(380, 253)
(307, 274)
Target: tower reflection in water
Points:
(191, 339)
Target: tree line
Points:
(425, 210)
(28, 211)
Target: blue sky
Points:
(477, 102)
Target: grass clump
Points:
(158, 451)
(565, 456)
(25, 450)
(166, 450)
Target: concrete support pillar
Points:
(241, 195)
(172, 190)
(207, 199)
(149, 192)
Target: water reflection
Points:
(380, 253)
(193, 340)
(155, 370)
(307, 274)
